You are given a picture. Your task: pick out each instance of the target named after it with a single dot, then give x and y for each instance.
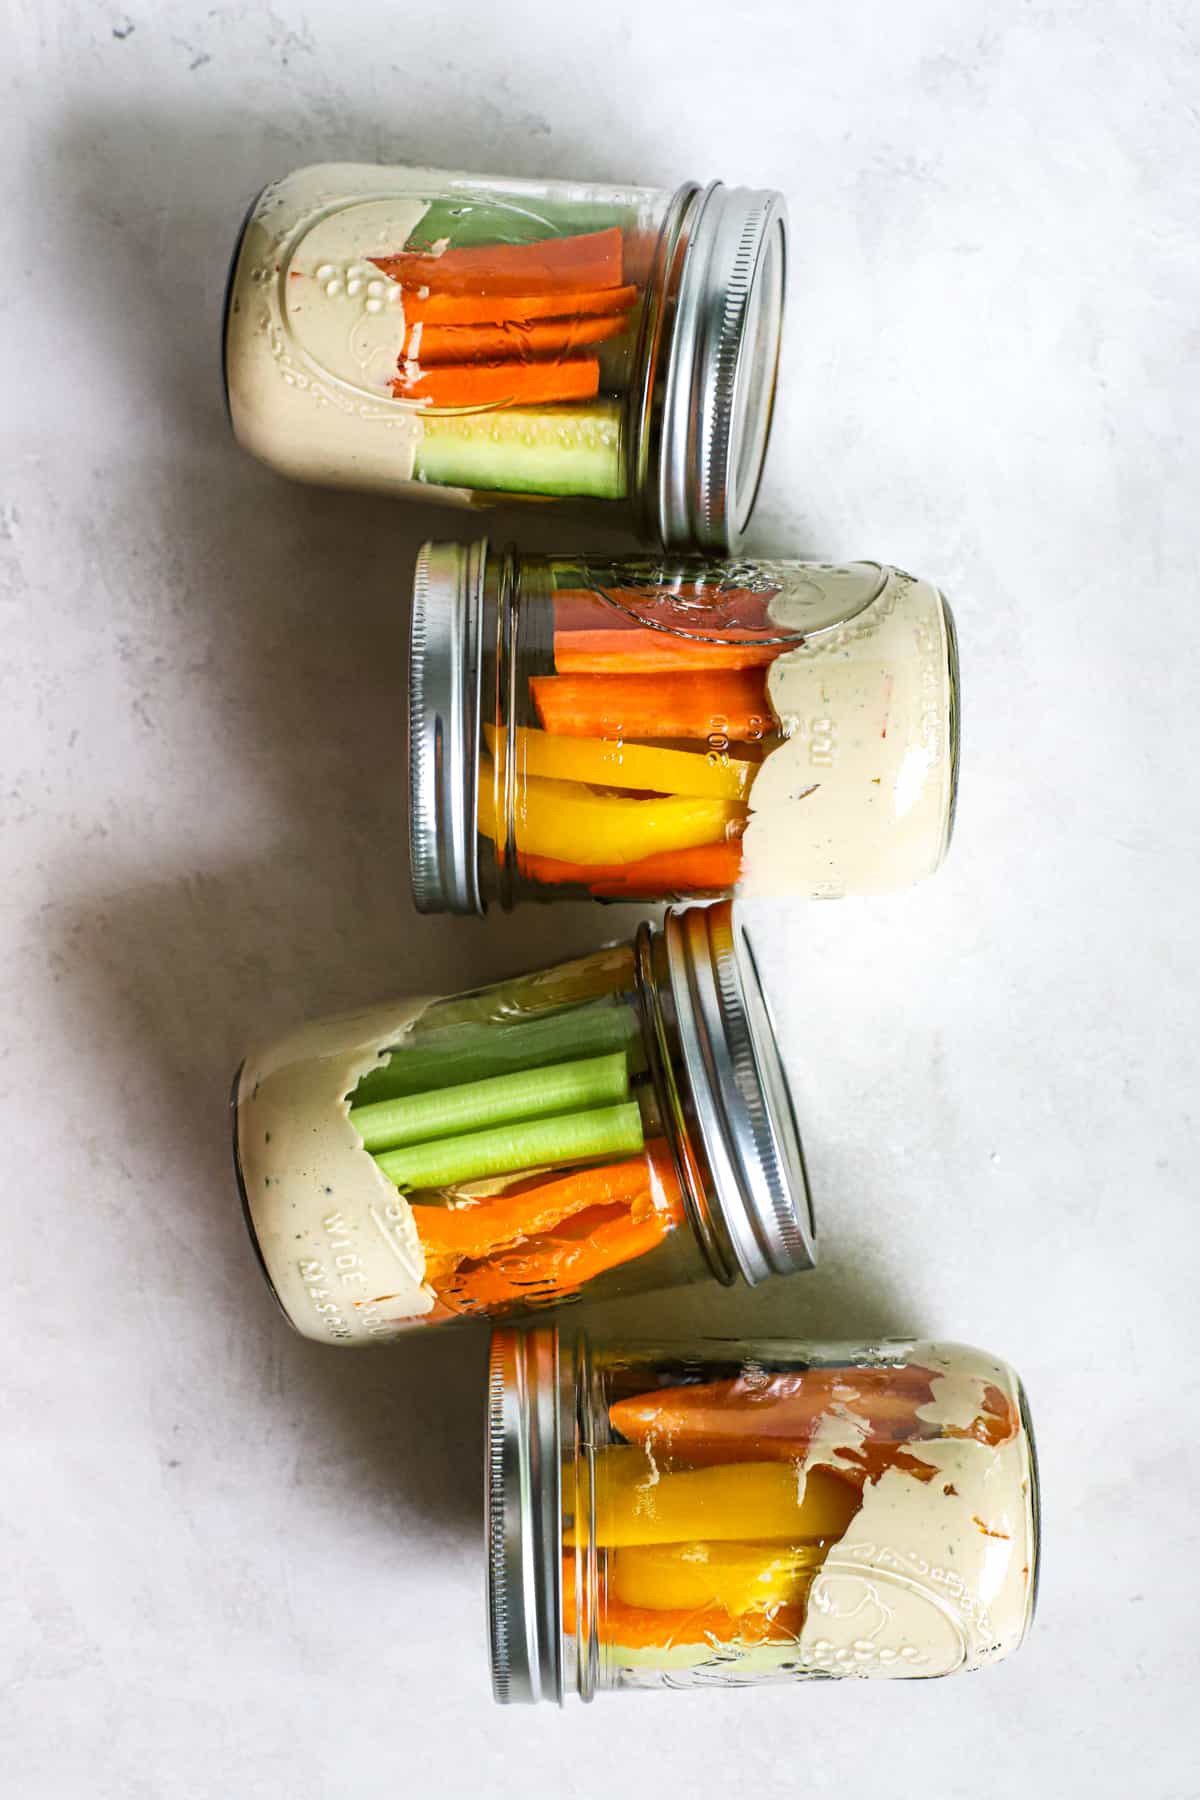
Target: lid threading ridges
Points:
(499, 1623)
(708, 413)
(420, 774)
(443, 726)
(739, 1095)
(718, 419)
(784, 1245)
(524, 1516)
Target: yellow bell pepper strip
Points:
(738, 1577)
(570, 822)
(636, 1503)
(606, 763)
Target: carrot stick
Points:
(553, 265)
(515, 309)
(711, 869)
(643, 651)
(436, 344)
(732, 613)
(776, 1419)
(731, 705)
(504, 384)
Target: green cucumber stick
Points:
(526, 1144)
(450, 1111)
(461, 1053)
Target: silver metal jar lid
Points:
(445, 669)
(524, 1516)
(740, 1099)
(727, 291)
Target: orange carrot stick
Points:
(552, 265)
(731, 705)
(643, 651)
(711, 869)
(504, 384)
(730, 613)
(437, 344)
(516, 309)
(775, 1420)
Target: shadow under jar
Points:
(618, 1123)
(672, 728)
(478, 338)
(722, 1513)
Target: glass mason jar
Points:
(724, 1513)
(671, 728)
(475, 338)
(617, 1123)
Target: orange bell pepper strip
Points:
(550, 266)
(776, 1419)
(652, 1628)
(544, 1269)
(478, 1231)
(729, 705)
(709, 869)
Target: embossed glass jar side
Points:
(741, 1512)
(470, 338)
(610, 1125)
(670, 728)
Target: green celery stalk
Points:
(475, 1052)
(507, 1149)
(472, 1105)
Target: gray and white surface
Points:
(236, 1565)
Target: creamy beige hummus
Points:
(934, 1576)
(337, 1239)
(858, 797)
(315, 331)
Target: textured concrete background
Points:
(239, 1565)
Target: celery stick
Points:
(475, 1052)
(531, 1144)
(472, 1105)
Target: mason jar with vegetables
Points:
(724, 1513)
(475, 338)
(674, 728)
(617, 1123)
